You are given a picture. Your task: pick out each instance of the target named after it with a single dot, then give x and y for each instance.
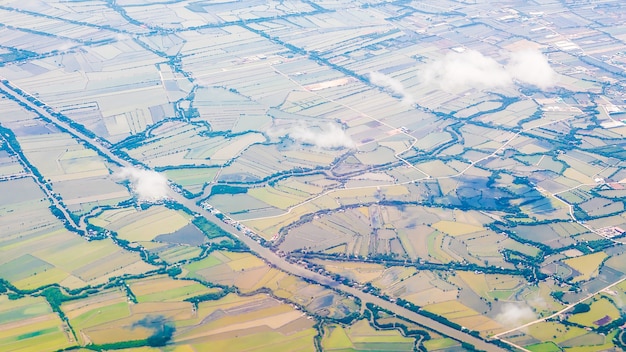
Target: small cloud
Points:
(531, 67)
(329, 136)
(471, 69)
(513, 315)
(392, 84)
(148, 185)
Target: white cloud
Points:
(327, 136)
(148, 185)
(392, 84)
(471, 69)
(513, 315)
(530, 66)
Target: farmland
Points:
(247, 176)
(30, 322)
(250, 274)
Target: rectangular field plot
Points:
(28, 322)
(587, 266)
(80, 175)
(360, 336)
(109, 317)
(239, 323)
(176, 144)
(37, 250)
(192, 179)
(145, 225)
(166, 289)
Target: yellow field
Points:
(554, 331)
(110, 317)
(360, 336)
(295, 185)
(485, 285)
(451, 309)
(258, 322)
(454, 228)
(153, 222)
(457, 312)
(599, 309)
(276, 198)
(48, 277)
(28, 322)
(180, 253)
(359, 272)
(268, 227)
(393, 276)
(477, 282)
(166, 289)
(75, 262)
(110, 216)
(587, 265)
(542, 301)
(435, 245)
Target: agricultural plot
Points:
(556, 336)
(491, 286)
(463, 315)
(119, 96)
(581, 329)
(133, 225)
(109, 317)
(602, 311)
(176, 144)
(250, 274)
(555, 332)
(28, 322)
(260, 161)
(224, 110)
(166, 289)
(360, 336)
(432, 234)
(78, 174)
(418, 287)
(37, 250)
(172, 235)
(9, 166)
(587, 266)
(71, 261)
(555, 235)
(192, 179)
(244, 323)
(172, 253)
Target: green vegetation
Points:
(544, 347)
(227, 189)
(581, 308)
(209, 229)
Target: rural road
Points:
(264, 252)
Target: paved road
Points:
(269, 255)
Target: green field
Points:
(599, 309)
(360, 336)
(28, 322)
